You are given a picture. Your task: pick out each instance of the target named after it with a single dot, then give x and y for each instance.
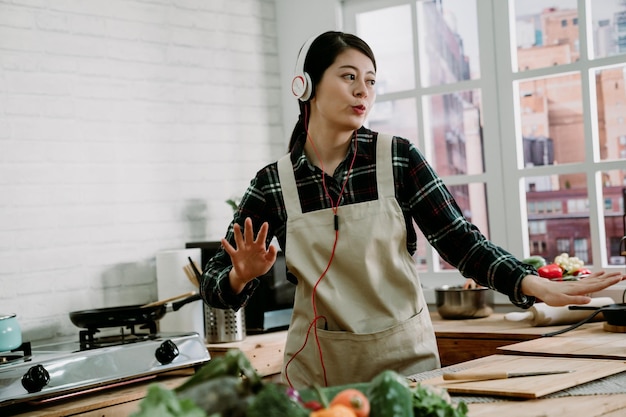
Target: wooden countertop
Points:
(591, 341)
(588, 406)
(265, 352)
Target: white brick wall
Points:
(124, 127)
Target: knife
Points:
(483, 376)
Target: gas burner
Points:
(88, 339)
(20, 354)
(58, 368)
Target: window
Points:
(537, 227)
(523, 119)
(538, 246)
(580, 250)
(562, 245)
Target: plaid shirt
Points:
(421, 194)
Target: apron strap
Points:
(384, 167)
(288, 185)
(384, 176)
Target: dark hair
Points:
(321, 55)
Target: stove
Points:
(57, 368)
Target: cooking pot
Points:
(457, 303)
(126, 315)
(10, 333)
(614, 314)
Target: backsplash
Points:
(124, 128)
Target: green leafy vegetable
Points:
(428, 403)
(273, 401)
(233, 363)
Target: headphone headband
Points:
(301, 85)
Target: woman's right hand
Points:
(251, 258)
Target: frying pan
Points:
(126, 315)
(614, 314)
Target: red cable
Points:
(334, 208)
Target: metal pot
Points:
(457, 303)
(10, 333)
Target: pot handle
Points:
(178, 304)
(580, 323)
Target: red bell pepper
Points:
(550, 271)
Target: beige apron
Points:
(375, 314)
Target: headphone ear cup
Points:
(301, 86)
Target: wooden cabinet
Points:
(464, 340)
(453, 350)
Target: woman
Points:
(342, 205)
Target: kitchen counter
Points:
(588, 406)
(121, 402)
(265, 353)
(590, 341)
(464, 340)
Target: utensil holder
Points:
(222, 326)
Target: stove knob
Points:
(167, 352)
(35, 379)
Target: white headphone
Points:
(301, 85)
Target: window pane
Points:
(454, 131)
(558, 216)
(609, 27)
(546, 33)
(614, 195)
(394, 50)
(397, 117)
(448, 36)
(552, 121)
(472, 200)
(611, 103)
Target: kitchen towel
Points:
(172, 281)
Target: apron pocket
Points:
(407, 348)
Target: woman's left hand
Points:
(560, 293)
(470, 284)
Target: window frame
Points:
(504, 174)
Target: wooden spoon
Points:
(191, 275)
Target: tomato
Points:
(337, 410)
(354, 399)
(581, 271)
(313, 405)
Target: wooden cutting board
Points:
(591, 343)
(585, 370)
